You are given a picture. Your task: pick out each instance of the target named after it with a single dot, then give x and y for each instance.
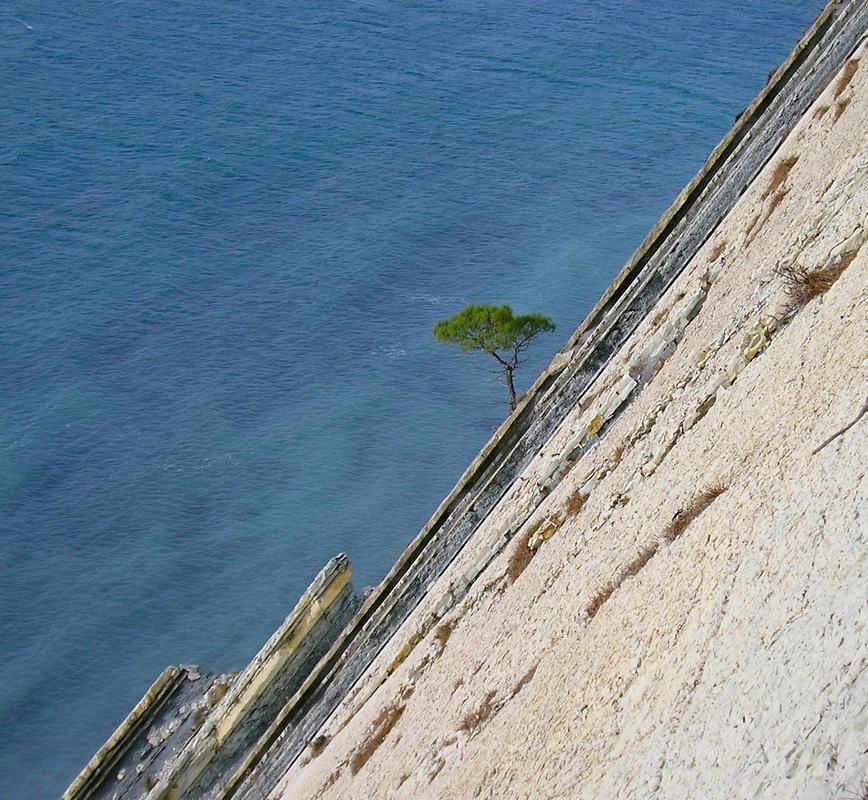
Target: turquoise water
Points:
(226, 230)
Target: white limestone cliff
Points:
(691, 616)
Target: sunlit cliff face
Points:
(684, 613)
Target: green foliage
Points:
(494, 330)
(491, 328)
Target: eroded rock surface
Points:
(691, 616)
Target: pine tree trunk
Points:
(513, 401)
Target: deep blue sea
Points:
(226, 230)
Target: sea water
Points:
(226, 230)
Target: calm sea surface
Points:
(226, 230)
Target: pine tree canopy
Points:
(491, 328)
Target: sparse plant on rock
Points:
(497, 331)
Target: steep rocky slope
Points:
(651, 581)
(685, 613)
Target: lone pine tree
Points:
(497, 331)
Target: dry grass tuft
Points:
(803, 286)
(822, 280)
(779, 195)
(846, 76)
(676, 527)
(717, 252)
(821, 112)
(575, 503)
(641, 559)
(780, 174)
(621, 447)
(840, 108)
(521, 556)
(482, 714)
(217, 692)
(601, 597)
(442, 633)
(697, 504)
(407, 692)
(752, 229)
(632, 568)
(528, 677)
(382, 727)
(776, 191)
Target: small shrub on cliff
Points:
(803, 285)
(217, 692)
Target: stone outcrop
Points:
(191, 733)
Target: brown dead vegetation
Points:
(840, 108)
(442, 633)
(777, 191)
(695, 506)
(717, 252)
(632, 568)
(752, 229)
(802, 285)
(575, 503)
(599, 598)
(641, 559)
(779, 195)
(526, 679)
(380, 729)
(483, 713)
(821, 112)
(621, 447)
(780, 174)
(683, 517)
(521, 555)
(846, 76)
